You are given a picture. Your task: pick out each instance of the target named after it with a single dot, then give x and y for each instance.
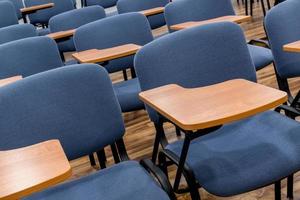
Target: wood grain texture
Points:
(31, 169)
(9, 80)
(152, 11)
(214, 105)
(292, 47)
(62, 34)
(230, 18)
(102, 55)
(32, 9)
(140, 132)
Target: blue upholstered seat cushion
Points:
(8, 14)
(261, 56)
(16, 32)
(43, 31)
(127, 180)
(244, 155)
(127, 93)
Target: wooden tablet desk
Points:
(62, 35)
(229, 18)
(30, 169)
(104, 55)
(9, 80)
(153, 11)
(32, 9)
(292, 47)
(205, 107)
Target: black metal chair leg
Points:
(133, 74)
(278, 190)
(101, 158)
(290, 187)
(115, 153)
(125, 74)
(269, 4)
(246, 7)
(92, 160)
(263, 6)
(178, 132)
(251, 8)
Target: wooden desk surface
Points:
(9, 80)
(292, 47)
(30, 169)
(33, 9)
(153, 11)
(230, 18)
(97, 56)
(62, 34)
(204, 107)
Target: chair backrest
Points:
(43, 16)
(8, 14)
(196, 10)
(73, 19)
(28, 56)
(75, 104)
(103, 3)
(195, 57)
(16, 32)
(125, 6)
(18, 4)
(283, 27)
(114, 31)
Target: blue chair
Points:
(282, 27)
(28, 56)
(189, 10)
(16, 32)
(240, 156)
(103, 3)
(115, 31)
(8, 14)
(125, 6)
(73, 19)
(18, 4)
(42, 17)
(75, 104)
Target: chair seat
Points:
(127, 180)
(245, 155)
(127, 93)
(261, 56)
(43, 31)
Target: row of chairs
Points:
(158, 63)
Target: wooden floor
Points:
(140, 131)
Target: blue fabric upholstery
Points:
(18, 4)
(191, 10)
(213, 53)
(43, 31)
(261, 56)
(282, 27)
(127, 94)
(114, 31)
(127, 180)
(125, 6)
(8, 14)
(73, 19)
(75, 104)
(103, 3)
(43, 16)
(16, 32)
(28, 56)
(245, 155)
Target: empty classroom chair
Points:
(240, 156)
(18, 4)
(103, 3)
(114, 31)
(189, 10)
(8, 14)
(73, 19)
(125, 6)
(42, 17)
(16, 32)
(77, 106)
(282, 27)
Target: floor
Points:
(140, 131)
